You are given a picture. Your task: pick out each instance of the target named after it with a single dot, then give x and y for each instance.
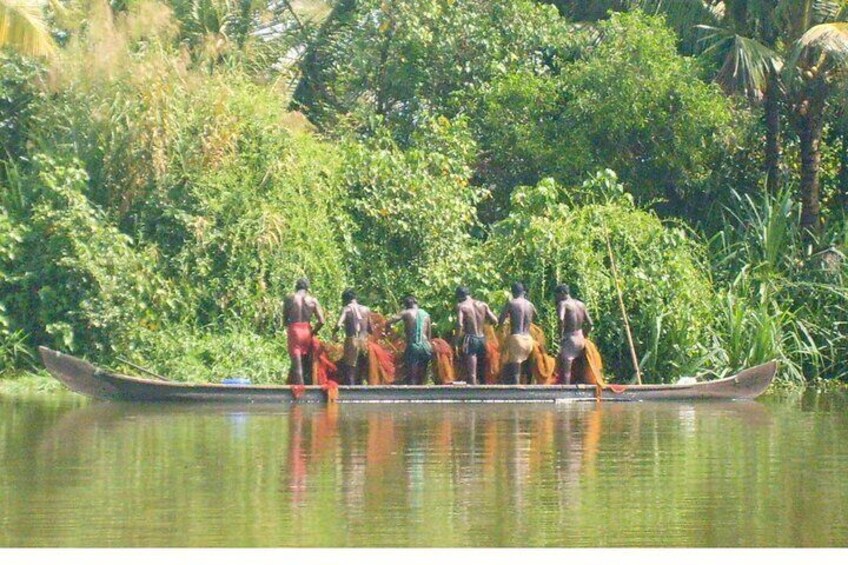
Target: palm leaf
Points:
(747, 63)
(23, 29)
(825, 11)
(820, 52)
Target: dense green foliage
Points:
(669, 139)
(413, 212)
(165, 181)
(661, 270)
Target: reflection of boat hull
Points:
(84, 378)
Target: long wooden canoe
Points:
(82, 377)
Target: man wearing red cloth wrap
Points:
(298, 310)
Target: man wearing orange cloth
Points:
(298, 310)
(519, 344)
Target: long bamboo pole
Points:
(142, 369)
(633, 356)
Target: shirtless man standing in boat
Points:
(470, 316)
(419, 351)
(574, 325)
(298, 310)
(356, 322)
(519, 344)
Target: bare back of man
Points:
(300, 307)
(519, 344)
(471, 317)
(355, 319)
(298, 310)
(574, 323)
(521, 312)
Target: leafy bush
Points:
(667, 293)
(171, 200)
(632, 104)
(399, 59)
(77, 283)
(412, 212)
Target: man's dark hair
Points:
(518, 289)
(302, 284)
(348, 295)
(562, 289)
(462, 292)
(409, 301)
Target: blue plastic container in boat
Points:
(236, 381)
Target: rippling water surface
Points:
(744, 474)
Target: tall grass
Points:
(781, 301)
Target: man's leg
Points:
(511, 372)
(471, 367)
(360, 370)
(297, 369)
(567, 363)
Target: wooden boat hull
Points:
(82, 377)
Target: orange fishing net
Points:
(588, 368)
(443, 367)
(389, 352)
(323, 370)
(492, 366)
(542, 365)
(381, 365)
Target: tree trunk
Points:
(772, 156)
(843, 169)
(810, 125)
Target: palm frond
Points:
(747, 63)
(22, 27)
(825, 11)
(820, 52)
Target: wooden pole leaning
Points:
(614, 270)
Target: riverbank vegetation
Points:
(169, 168)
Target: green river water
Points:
(771, 473)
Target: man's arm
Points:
(340, 323)
(460, 320)
(587, 323)
(286, 307)
(429, 335)
(395, 319)
(491, 315)
(319, 313)
(368, 327)
(560, 316)
(504, 314)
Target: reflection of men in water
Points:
(298, 310)
(419, 351)
(519, 344)
(471, 315)
(356, 322)
(574, 325)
